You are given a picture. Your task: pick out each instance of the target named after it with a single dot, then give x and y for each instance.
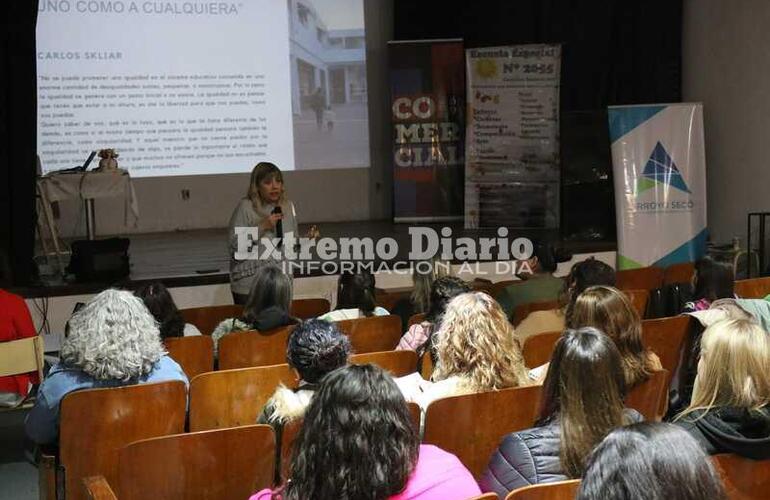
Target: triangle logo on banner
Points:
(660, 168)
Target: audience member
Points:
(420, 336)
(15, 324)
(475, 351)
(582, 402)
(729, 410)
(267, 307)
(712, 280)
(113, 341)
(583, 274)
(315, 348)
(609, 310)
(161, 305)
(539, 286)
(423, 276)
(357, 441)
(264, 206)
(650, 461)
(355, 298)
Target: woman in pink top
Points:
(358, 442)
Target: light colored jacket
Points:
(244, 215)
(343, 314)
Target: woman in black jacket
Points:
(730, 408)
(582, 402)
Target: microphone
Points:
(278, 226)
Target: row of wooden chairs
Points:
(207, 318)
(665, 336)
(239, 459)
(96, 424)
(250, 348)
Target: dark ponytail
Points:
(356, 291)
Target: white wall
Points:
(319, 195)
(726, 65)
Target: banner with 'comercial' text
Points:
(659, 170)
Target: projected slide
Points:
(200, 87)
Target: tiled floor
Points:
(18, 478)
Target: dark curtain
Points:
(613, 51)
(18, 141)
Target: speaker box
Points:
(99, 260)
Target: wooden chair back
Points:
(252, 348)
(754, 288)
(650, 397)
(486, 496)
(96, 423)
(523, 310)
(207, 318)
(643, 278)
(194, 354)
(97, 488)
(22, 356)
(472, 426)
(678, 273)
(638, 299)
(309, 308)
(426, 366)
(666, 338)
(232, 398)
(538, 348)
(223, 464)
(561, 490)
(388, 299)
(398, 363)
(743, 478)
(372, 334)
(416, 318)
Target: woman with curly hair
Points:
(420, 336)
(358, 442)
(113, 341)
(315, 349)
(476, 350)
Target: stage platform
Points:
(200, 257)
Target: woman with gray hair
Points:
(112, 341)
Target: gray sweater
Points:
(242, 271)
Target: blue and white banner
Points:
(659, 168)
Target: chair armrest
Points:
(98, 488)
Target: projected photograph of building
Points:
(328, 74)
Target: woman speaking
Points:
(267, 208)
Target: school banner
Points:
(512, 171)
(659, 169)
(427, 87)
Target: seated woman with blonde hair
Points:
(475, 351)
(729, 410)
